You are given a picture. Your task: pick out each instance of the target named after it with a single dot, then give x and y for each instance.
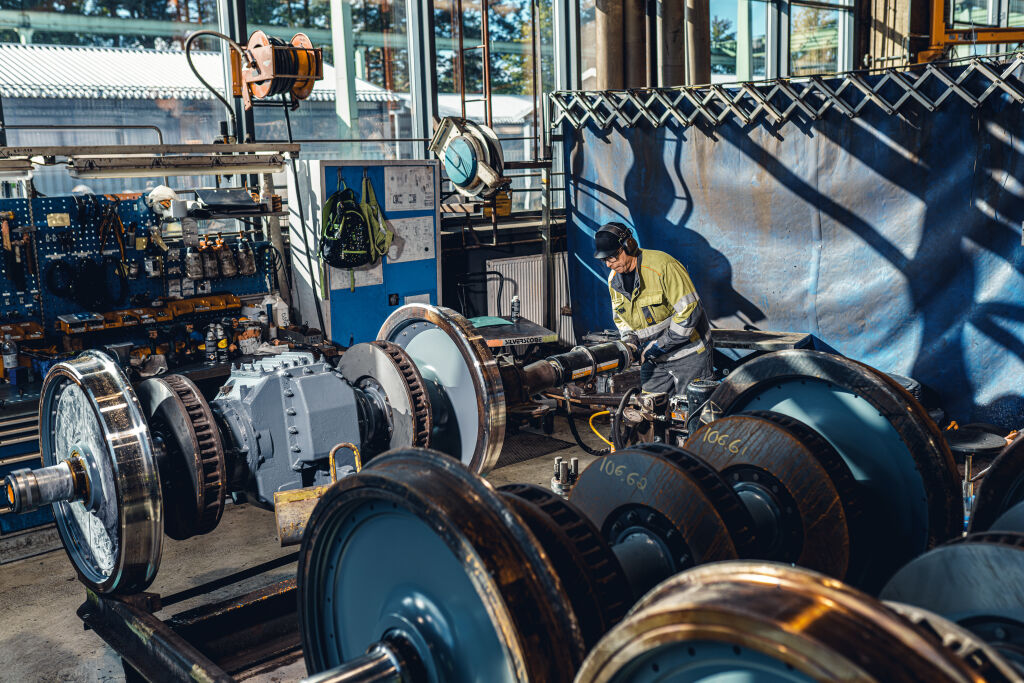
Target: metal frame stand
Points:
(212, 642)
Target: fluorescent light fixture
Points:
(146, 167)
(14, 170)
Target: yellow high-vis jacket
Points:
(663, 307)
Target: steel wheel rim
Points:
(540, 640)
(797, 617)
(470, 377)
(120, 444)
(890, 445)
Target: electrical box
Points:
(358, 300)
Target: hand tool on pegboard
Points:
(111, 223)
(13, 267)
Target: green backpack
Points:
(354, 232)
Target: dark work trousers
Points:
(672, 376)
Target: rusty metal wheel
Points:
(415, 548)
(770, 622)
(894, 450)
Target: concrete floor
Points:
(42, 639)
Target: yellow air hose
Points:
(594, 429)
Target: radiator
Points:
(524, 275)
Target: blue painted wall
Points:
(895, 239)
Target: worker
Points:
(656, 307)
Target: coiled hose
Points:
(617, 436)
(598, 452)
(619, 440)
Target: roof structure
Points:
(506, 109)
(65, 71)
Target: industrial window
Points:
(520, 70)
(820, 38)
(971, 14)
(739, 40)
(986, 14)
(753, 40)
(363, 107)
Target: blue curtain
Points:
(894, 239)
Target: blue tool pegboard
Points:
(67, 229)
(408, 195)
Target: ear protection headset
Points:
(624, 235)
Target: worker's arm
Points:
(682, 295)
(623, 327)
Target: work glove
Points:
(631, 338)
(650, 352)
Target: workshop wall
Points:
(895, 239)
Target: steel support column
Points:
(634, 43)
(671, 43)
(566, 39)
(651, 35)
(698, 42)
(419, 16)
(345, 105)
(609, 44)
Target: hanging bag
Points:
(380, 234)
(346, 239)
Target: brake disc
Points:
(88, 412)
(977, 576)
(385, 371)
(803, 490)
(665, 495)
(589, 570)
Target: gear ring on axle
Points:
(193, 470)
(388, 367)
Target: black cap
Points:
(609, 239)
